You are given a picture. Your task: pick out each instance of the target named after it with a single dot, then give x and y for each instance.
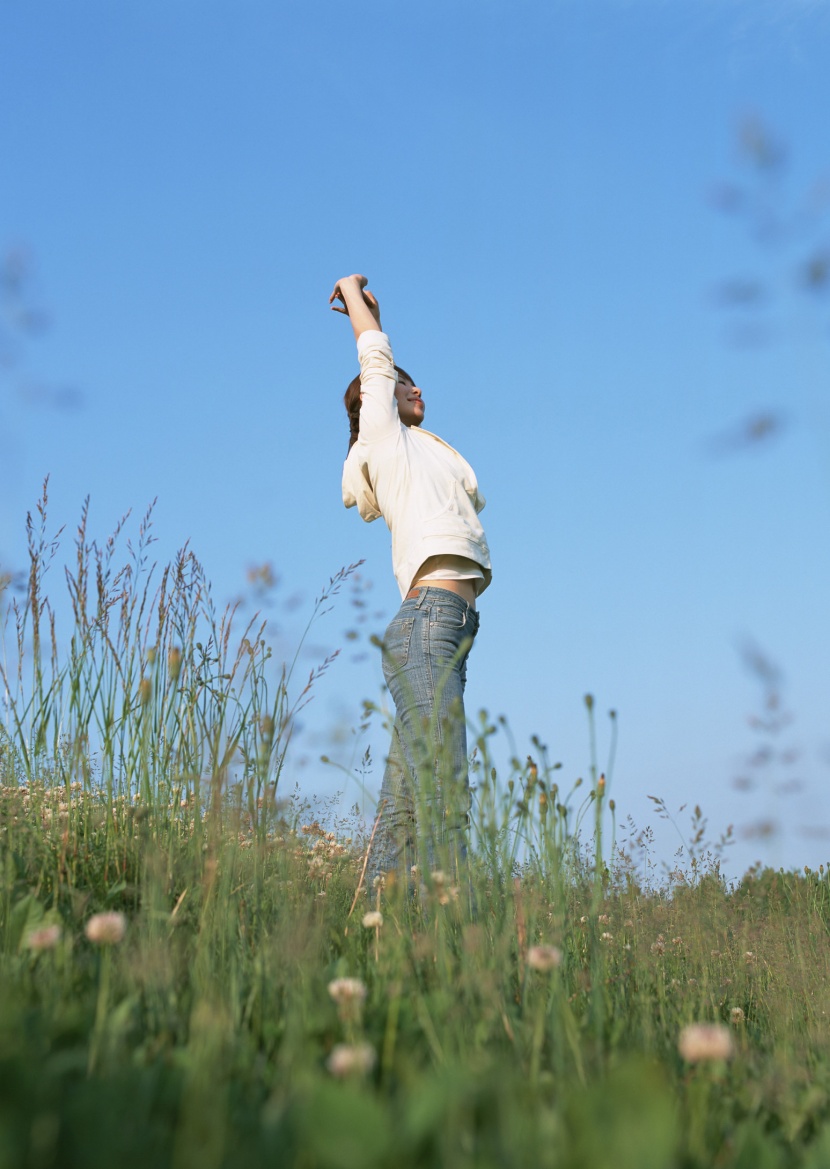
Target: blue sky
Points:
(529, 188)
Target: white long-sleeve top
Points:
(425, 491)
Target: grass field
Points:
(191, 976)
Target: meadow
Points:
(193, 972)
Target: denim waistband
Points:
(431, 595)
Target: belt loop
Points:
(422, 596)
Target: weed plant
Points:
(194, 974)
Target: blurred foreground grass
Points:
(187, 977)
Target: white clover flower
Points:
(737, 1016)
(106, 929)
(702, 1042)
(373, 919)
(349, 1059)
(45, 938)
(544, 957)
(342, 989)
(606, 937)
(349, 994)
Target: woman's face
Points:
(411, 408)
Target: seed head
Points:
(373, 919)
(106, 929)
(702, 1042)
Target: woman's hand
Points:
(357, 303)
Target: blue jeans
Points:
(425, 797)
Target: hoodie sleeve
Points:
(357, 490)
(378, 408)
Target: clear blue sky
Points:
(528, 187)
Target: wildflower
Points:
(583, 920)
(45, 938)
(700, 1042)
(544, 957)
(349, 994)
(677, 941)
(659, 947)
(604, 918)
(349, 1059)
(737, 1016)
(749, 957)
(373, 919)
(606, 937)
(438, 878)
(628, 923)
(106, 929)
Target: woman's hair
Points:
(351, 400)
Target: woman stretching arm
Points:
(429, 498)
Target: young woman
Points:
(429, 498)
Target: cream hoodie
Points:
(425, 490)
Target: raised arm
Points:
(359, 305)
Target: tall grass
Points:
(238, 1005)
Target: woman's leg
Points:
(425, 782)
(393, 847)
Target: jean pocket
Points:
(396, 643)
(450, 616)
